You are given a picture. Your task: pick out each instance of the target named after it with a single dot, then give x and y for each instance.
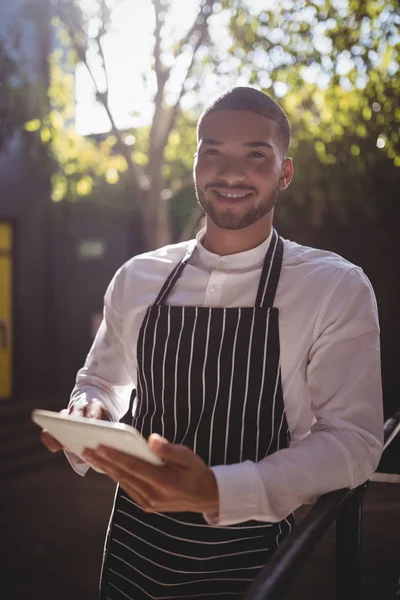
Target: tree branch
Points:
(122, 147)
(102, 31)
(81, 48)
(204, 12)
(103, 61)
(162, 74)
(201, 26)
(159, 67)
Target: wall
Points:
(24, 201)
(89, 244)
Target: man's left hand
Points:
(183, 484)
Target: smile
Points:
(232, 195)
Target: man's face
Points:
(239, 167)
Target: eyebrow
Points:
(255, 144)
(258, 145)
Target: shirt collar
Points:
(241, 261)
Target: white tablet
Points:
(77, 433)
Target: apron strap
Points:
(271, 272)
(174, 275)
(268, 281)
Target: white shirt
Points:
(330, 361)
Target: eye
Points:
(256, 154)
(211, 152)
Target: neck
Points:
(233, 241)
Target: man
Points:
(257, 370)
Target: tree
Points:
(148, 187)
(334, 68)
(331, 66)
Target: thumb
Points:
(170, 452)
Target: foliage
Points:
(151, 163)
(333, 66)
(92, 165)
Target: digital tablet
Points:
(77, 433)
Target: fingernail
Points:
(158, 438)
(156, 442)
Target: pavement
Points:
(53, 524)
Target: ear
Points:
(286, 173)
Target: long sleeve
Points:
(344, 445)
(105, 375)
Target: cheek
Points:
(267, 174)
(202, 173)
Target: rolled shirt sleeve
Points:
(345, 442)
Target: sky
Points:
(128, 49)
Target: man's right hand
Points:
(94, 409)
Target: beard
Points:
(227, 220)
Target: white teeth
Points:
(233, 195)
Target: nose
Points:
(232, 170)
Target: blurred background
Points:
(98, 107)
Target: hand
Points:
(183, 483)
(94, 409)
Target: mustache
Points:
(224, 185)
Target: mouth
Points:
(232, 196)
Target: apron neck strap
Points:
(268, 281)
(271, 272)
(174, 276)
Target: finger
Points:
(148, 485)
(104, 414)
(95, 410)
(115, 469)
(172, 453)
(76, 410)
(149, 495)
(138, 498)
(131, 465)
(50, 442)
(145, 490)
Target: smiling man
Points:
(256, 367)
(241, 166)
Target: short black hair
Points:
(252, 100)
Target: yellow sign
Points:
(5, 311)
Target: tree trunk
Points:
(154, 212)
(155, 208)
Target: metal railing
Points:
(344, 506)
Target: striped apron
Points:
(208, 378)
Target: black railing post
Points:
(349, 548)
(346, 507)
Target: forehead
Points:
(238, 126)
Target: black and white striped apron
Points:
(208, 378)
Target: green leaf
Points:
(84, 186)
(32, 125)
(45, 135)
(59, 187)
